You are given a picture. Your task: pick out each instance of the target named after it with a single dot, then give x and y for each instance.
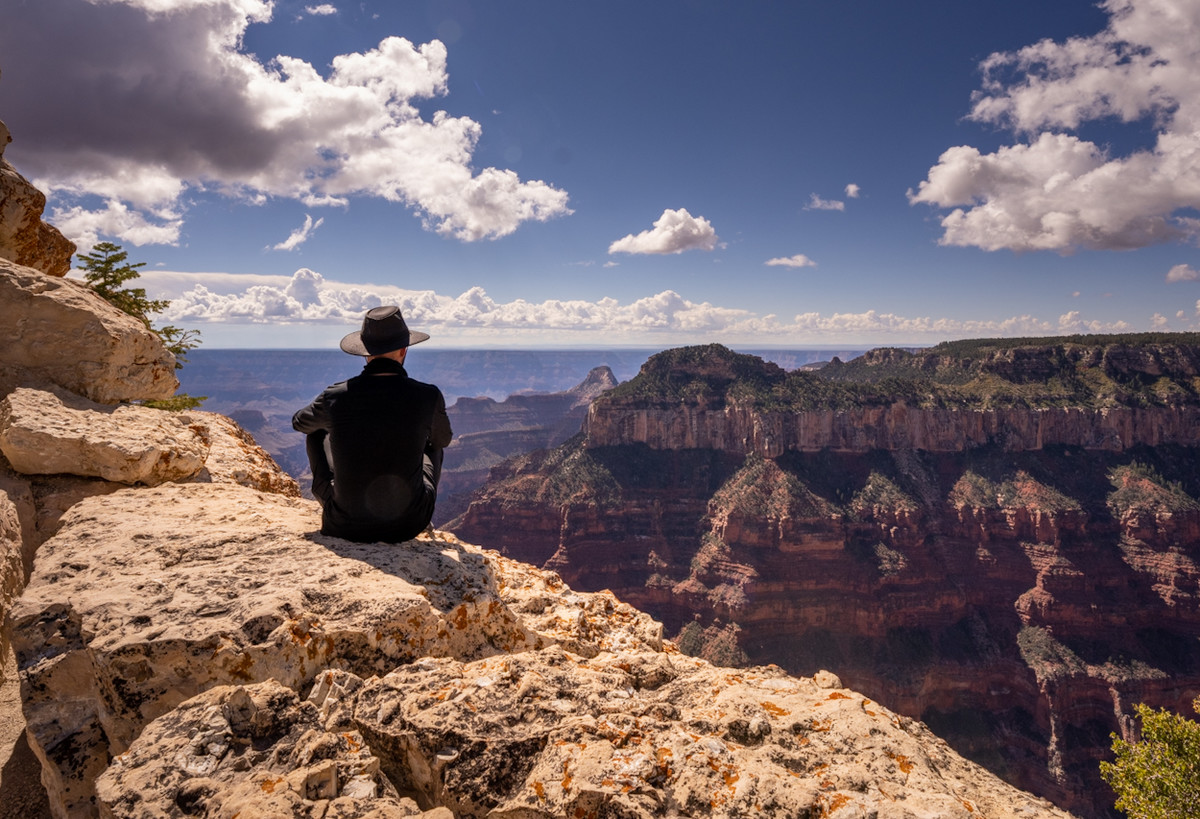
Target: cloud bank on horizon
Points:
(307, 297)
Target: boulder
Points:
(234, 457)
(248, 751)
(147, 597)
(47, 433)
(24, 237)
(58, 330)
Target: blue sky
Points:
(542, 174)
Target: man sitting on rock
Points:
(375, 441)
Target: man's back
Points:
(385, 435)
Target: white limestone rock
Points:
(147, 597)
(12, 566)
(48, 433)
(248, 751)
(234, 457)
(546, 733)
(59, 330)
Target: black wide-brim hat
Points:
(383, 331)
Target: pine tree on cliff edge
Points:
(106, 270)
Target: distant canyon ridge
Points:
(997, 537)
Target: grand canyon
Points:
(996, 537)
(187, 643)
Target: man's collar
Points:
(377, 366)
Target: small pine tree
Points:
(106, 270)
(1159, 776)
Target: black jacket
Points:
(376, 475)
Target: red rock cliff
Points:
(1017, 576)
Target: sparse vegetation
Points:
(1047, 657)
(975, 491)
(577, 477)
(761, 489)
(1138, 486)
(880, 492)
(1025, 491)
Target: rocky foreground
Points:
(200, 649)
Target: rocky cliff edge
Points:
(200, 649)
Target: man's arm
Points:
(440, 433)
(312, 418)
(318, 462)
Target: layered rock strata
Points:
(742, 430)
(1018, 595)
(464, 680)
(488, 431)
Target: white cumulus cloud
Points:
(799, 260)
(322, 10)
(674, 232)
(181, 107)
(1182, 273)
(1056, 191)
(665, 318)
(817, 203)
(853, 190)
(300, 235)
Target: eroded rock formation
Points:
(24, 238)
(488, 431)
(1019, 584)
(69, 364)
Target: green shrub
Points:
(1158, 776)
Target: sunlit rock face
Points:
(1018, 580)
(24, 238)
(69, 364)
(57, 331)
(201, 646)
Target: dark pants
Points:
(319, 458)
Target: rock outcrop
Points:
(436, 671)
(24, 238)
(66, 357)
(47, 433)
(57, 331)
(1019, 595)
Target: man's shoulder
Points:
(336, 388)
(430, 389)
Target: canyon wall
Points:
(1017, 576)
(742, 430)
